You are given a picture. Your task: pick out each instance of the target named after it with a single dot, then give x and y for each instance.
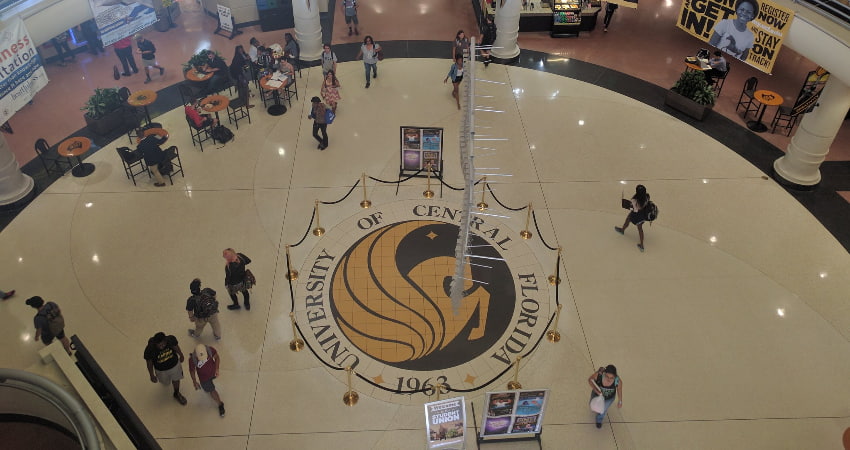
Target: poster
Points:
(513, 413)
(421, 147)
(224, 19)
(117, 19)
(749, 30)
(445, 422)
(21, 72)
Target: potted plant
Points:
(691, 95)
(104, 111)
(198, 60)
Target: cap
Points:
(138, 37)
(201, 354)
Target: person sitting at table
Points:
(218, 68)
(287, 69)
(719, 66)
(154, 155)
(199, 121)
(291, 49)
(265, 61)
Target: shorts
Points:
(149, 63)
(46, 339)
(458, 79)
(208, 385)
(173, 374)
(349, 19)
(637, 218)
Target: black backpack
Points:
(651, 211)
(222, 134)
(206, 304)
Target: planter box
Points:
(686, 106)
(107, 124)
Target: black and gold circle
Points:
(390, 296)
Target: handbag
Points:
(380, 54)
(597, 404)
(250, 280)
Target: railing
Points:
(836, 10)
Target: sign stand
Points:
(226, 24)
(480, 440)
(404, 173)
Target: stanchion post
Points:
(365, 204)
(525, 234)
(318, 231)
(428, 192)
(554, 335)
(350, 398)
(515, 384)
(291, 274)
(296, 344)
(554, 279)
(482, 205)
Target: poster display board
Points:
(225, 21)
(445, 422)
(513, 414)
(749, 30)
(21, 71)
(421, 146)
(117, 19)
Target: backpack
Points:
(55, 321)
(206, 304)
(222, 134)
(651, 211)
(329, 116)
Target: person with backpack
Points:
(237, 278)
(165, 362)
(608, 385)
(202, 307)
(148, 52)
(329, 60)
(638, 213)
(320, 123)
(49, 322)
(203, 367)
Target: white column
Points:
(14, 184)
(816, 132)
(308, 29)
(507, 29)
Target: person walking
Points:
(606, 383)
(330, 90)
(460, 46)
(488, 38)
(349, 7)
(124, 52)
(317, 113)
(637, 213)
(5, 295)
(328, 60)
(49, 322)
(609, 13)
(203, 368)
(165, 362)
(148, 52)
(202, 307)
(60, 44)
(456, 75)
(93, 42)
(369, 52)
(237, 278)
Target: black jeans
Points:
(323, 141)
(245, 294)
(127, 60)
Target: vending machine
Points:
(566, 18)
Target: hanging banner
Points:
(749, 30)
(21, 72)
(117, 19)
(225, 21)
(445, 421)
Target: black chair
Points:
(721, 80)
(238, 107)
(50, 162)
(790, 115)
(172, 155)
(199, 135)
(747, 98)
(188, 94)
(124, 94)
(291, 89)
(132, 159)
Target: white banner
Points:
(117, 19)
(21, 72)
(224, 19)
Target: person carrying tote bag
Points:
(606, 387)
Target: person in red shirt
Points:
(124, 51)
(199, 120)
(203, 367)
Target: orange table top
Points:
(265, 80)
(154, 132)
(74, 146)
(215, 103)
(768, 98)
(142, 98)
(696, 67)
(193, 75)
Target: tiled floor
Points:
(730, 331)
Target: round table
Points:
(215, 103)
(193, 75)
(278, 108)
(74, 147)
(159, 132)
(143, 98)
(766, 98)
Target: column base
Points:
(23, 198)
(791, 184)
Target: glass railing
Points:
(837, 10)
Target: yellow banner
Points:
(749, 30)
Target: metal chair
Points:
(747, 98)
(50, 162)
(199, 135)
(132, 160)
(172, 154)
(187, 93)
(721, 80)
(238, 107)
(291, 89)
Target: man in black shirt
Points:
(148, 52)
(219, 69)
(165, 362)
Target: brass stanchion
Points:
(350, 398)
(296, 344)
(554, 278)
(525, 234)
(318, 231)
(428, 192)
(554, 335)
(439, 389)
(482, 205)
(514, 384)
(292, 274)
(365, 204)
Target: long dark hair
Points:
(239, 56)
(333, 77)
(641, 196)
(368, 38)
(611, 369)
